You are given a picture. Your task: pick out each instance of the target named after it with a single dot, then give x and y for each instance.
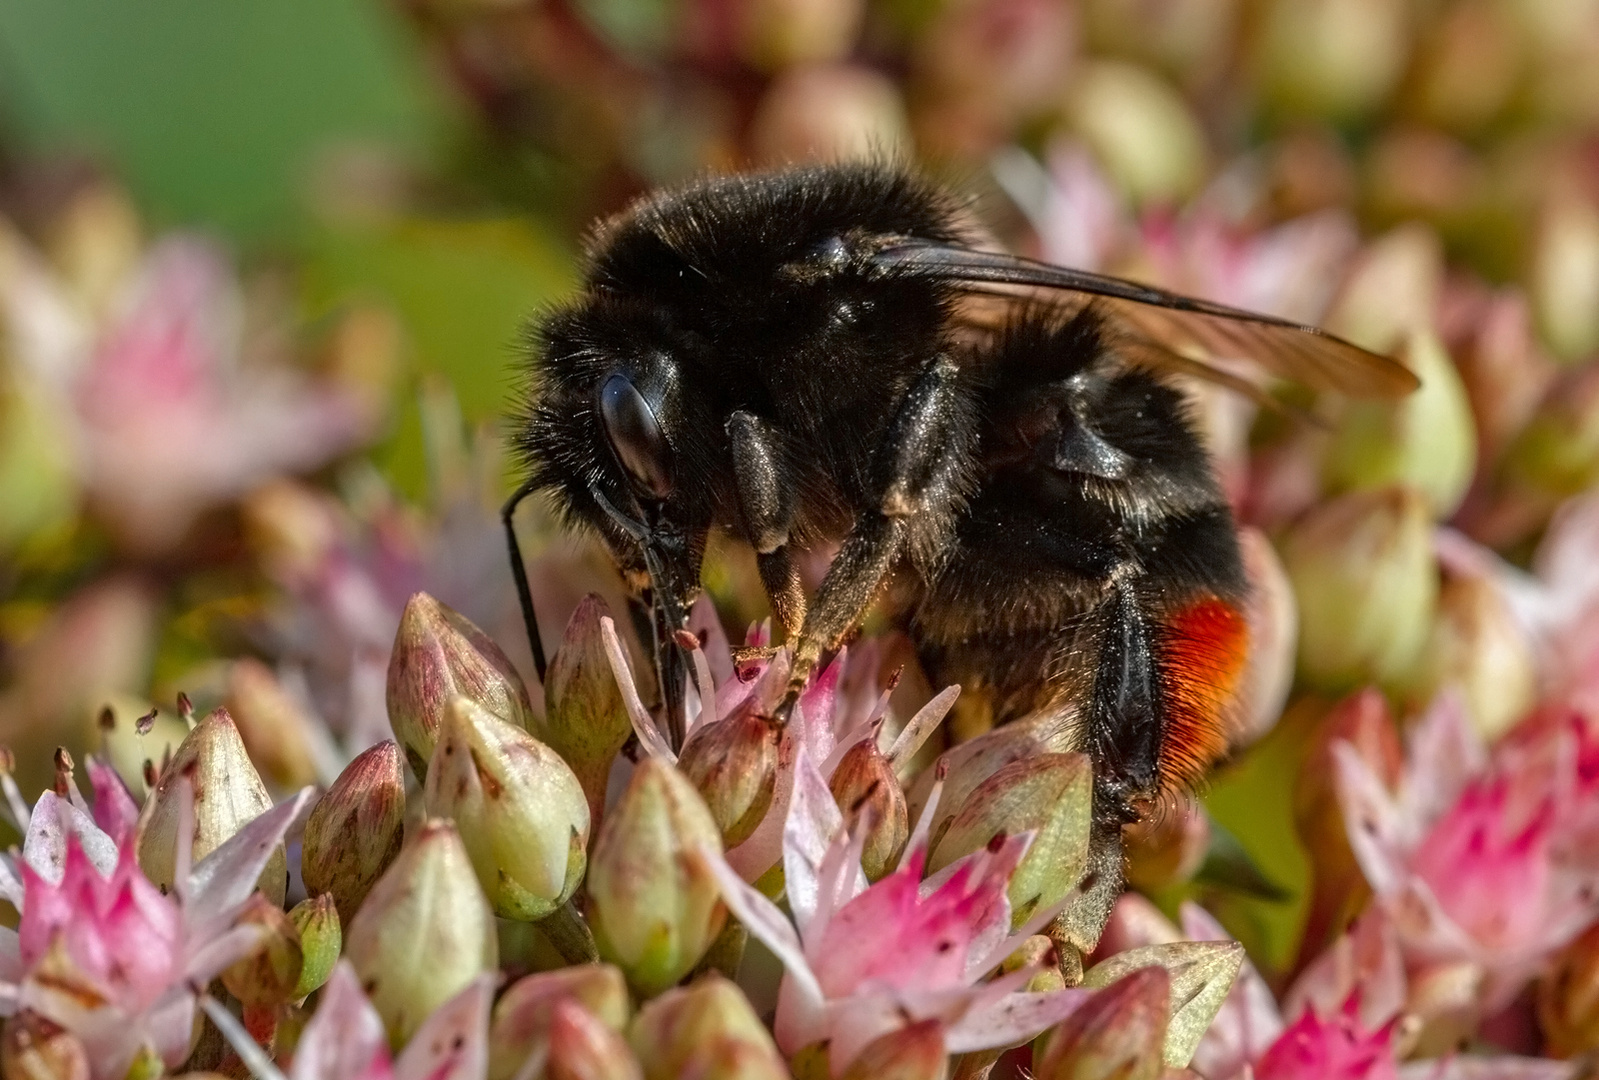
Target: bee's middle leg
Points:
(920, 469)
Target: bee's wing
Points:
(1304, 353)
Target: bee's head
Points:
(609, 431)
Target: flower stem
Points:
(570, 935)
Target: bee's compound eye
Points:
(636, 437)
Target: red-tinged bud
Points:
(1198, 975)
(584, 1048)
(585, 720)
(356, 828)
(973, 762)
(270, 976)
(521, 1025)
(274, 725)
(1050, 795)
(913, 1052)
(321, 940)
(228, 795)
(440, 655)
(1273, 618)
(865, 787)
(829, 112)
(520, 810)
(1166, 849)
(424, 933)
(33, 1048)
(653, 909)
(1366, 578)
(1568, 998)
(707, 1029)
(733, 765)
(1115, 1035)
(1338, 888)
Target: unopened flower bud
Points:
(1392, 291)
(912, 1052)
(1366, 578)
(653, 910)
(1166, 849)
(864, 784)
(1478, 646)
(520, 811)
(1115, 1035)
(321, 939)
(776, 34)
(581, 1047)
(840, 112)
(440, 655)
(1140, 129)
(1273, 618)
(707, 1029)
(1557, 454)
(33, 1048)
(1338, 888)
(291, 527)
(733, 765)
(1331, 59)
(1568, 998)
(356, 828)
(1565, 277)
(1050, 795)
(585, 720)
(274, 725)
(1426, 441)
(228, 795)
(521, 1024)
(973, 762)
(1037, 952)
(1198, 976)
(271, 974)
(424, 933)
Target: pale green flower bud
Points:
(585, 720)
(1050, 795)
(733, 764)
(1140, 129)
(653, 909)
(1478, 646)
(520, 811)
(356, 828)
(272, 973)
(1198, 976)
(424, 933)
(707, 1029)
(1565, 277)
(440, 655)
(1331, 59)
(1366, 578)
(321, 939)
(275, 726)
(228, 795)
(1426, 440)
(864, 784)
(521, 1025)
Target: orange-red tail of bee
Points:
(1204, 648)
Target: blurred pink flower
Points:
(99, 949)
(863, 961)
(1469, 861)
(1336, 1048)
(167, 417)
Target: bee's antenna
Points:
(518, 571)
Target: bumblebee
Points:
(995, 445)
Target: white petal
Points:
(225, 878)
(643, 726)
(763, 919)
(453, 1043)
(45, 848)
(1012, 1020)
(345, 1035)
(812, 825)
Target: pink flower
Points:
(1338, 1048)
(826, 722)
(1469, 861)
(863, 961)
(99, 949)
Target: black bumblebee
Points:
(823, 355)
